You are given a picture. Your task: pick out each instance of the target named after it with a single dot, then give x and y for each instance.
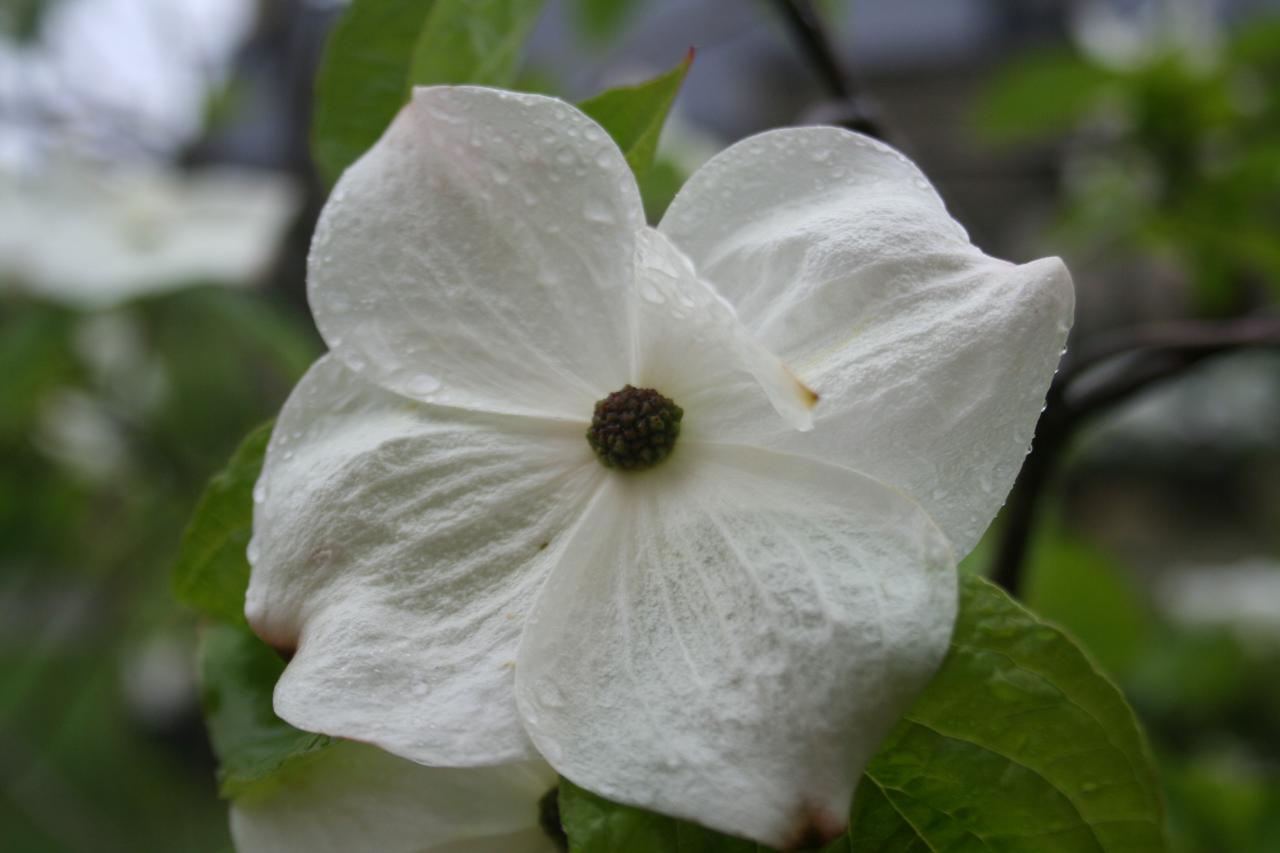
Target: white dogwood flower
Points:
(726, 635)
(351, 796)
(93, 237)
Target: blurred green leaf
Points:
(21, 19)
(363, 79)
(659, 185)
(599, 20)
(381, 49)
(35, 358)
(1039, 95)
(596, 825)
(1222, 800)
(1198, 676)
(1018, 743)
(634, 115)
(210, 403)
(212, 569)
(472, 41)
(1079, 589)
(238, 673)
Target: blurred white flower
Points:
(120, 78)
(78, 432)
(1126, 34)
(1243, 597)
(727, 635)
(157, 680)
(113, 346)
(94, 237)
(351, 797)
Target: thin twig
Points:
(848, 107)
(1150, 355)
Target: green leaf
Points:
(381, 49)
(600, 20)
(1038, 96)
(1019, 743)
(595, 825)
(634, 115)
(363, 79)
(473, 41)
(212, 569)
(36, 357)
(1079, 588)
(238, 673)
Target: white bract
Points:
(92, 237)
(724, 637)
(350, 796)
(1129, 35)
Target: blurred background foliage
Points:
(1138, 138)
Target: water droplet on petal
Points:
(650, 293)
(597, 211)
(423, 384)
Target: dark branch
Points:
(810, 32)
(846, 107)
(1108, 370)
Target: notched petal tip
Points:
(799, 412)
(286, 652)
(814, 827)
(808, 396)
(282, 639)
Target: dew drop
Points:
(650, 293)
(596, 211)
(423, 384)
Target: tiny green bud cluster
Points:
(634, 429)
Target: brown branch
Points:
(847, 107)
(1142, 357)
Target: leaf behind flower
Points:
(634, 115)
(381, 49)
(1019, 743)
(212, 569)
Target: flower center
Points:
(634, 428)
